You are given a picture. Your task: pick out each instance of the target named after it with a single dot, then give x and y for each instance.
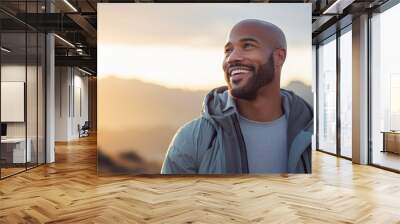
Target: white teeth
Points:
(236, 71)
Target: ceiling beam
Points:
(82, 61)
(84, 24)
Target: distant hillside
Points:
(138, 120)
(150, 143)
(127, 103)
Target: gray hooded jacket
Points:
(213, 143)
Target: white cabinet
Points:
(18, 146)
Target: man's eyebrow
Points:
(244, 39)
(251, 39)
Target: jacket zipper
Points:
(242, 145)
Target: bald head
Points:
(266, 31)
(254, 55)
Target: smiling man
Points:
(251, 125)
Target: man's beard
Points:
(262, 77)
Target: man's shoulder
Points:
(192, 139)
(196, 128)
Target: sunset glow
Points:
(188, 54)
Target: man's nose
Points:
(235, 56)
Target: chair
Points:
(84, 130)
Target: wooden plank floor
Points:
(69, 191)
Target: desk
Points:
(18, 151)
(391, 141)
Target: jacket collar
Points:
(219, 106)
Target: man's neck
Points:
(266, 107)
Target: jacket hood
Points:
(218, 104)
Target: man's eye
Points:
(247, 45)
(229, 50)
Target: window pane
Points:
(386, 89)
(346, 94)
(31, 97)
(14, 153)
(327, 96)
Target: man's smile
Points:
(236, 73)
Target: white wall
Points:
(71, 93)
(80, 110)
(62, 81)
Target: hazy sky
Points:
(181, 45)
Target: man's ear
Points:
(279, 56)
